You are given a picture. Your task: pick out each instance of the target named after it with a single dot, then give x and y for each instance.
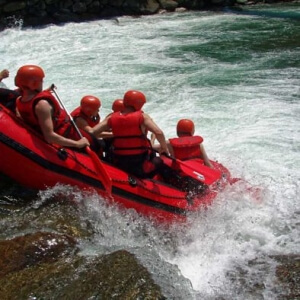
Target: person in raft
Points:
(86, 116)
(3, 74)
(42, 111)
(132, 150)
(117, 105)
(8, 97)
(186, 145)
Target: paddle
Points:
(105, 178)
(196, 170)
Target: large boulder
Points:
(31, 249)
(46, 266)
(169, 5)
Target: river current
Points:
(237, 76)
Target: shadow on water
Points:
(13, 196)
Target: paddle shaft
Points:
(63, 106)
(107, 182)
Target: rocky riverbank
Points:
(43, 12)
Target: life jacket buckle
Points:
(132, 181)
(62, 154)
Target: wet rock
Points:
(114, 276)
(31, 249)
(79, 7)
(14, 6)
(169, 5)
(180, 9)
(152, 7)
(282, 273)
(57, 214)
(39, 13)
(288, 276)
(46, 265)
(117, 275)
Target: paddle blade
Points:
(196, 169)
(105, 178)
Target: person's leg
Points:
(132, 164)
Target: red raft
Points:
(29, 160)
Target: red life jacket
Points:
(78, 113)
(61, 121)
(187, 147)
(128, 136)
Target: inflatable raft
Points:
(29, 160)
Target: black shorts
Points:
(140, 165)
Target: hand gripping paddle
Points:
(105, 178)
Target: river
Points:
(237, 75)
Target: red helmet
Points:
(134, 99)
(117, 105)
(185, 127)
(90, 104)
(29, 76)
